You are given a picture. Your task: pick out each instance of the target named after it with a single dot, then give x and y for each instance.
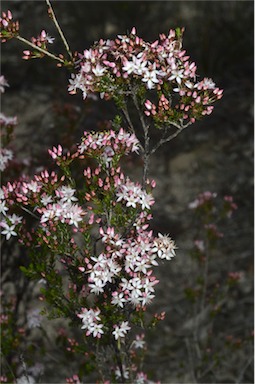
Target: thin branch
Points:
(127, 117)
(8, 366)
(47, 53)
(240, 377)
(30, 213)
(191, 360)
(146, 147)
(52, 15)
(171, 137)
(205, 274)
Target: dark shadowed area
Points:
(215, 154)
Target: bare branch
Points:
(171, 137)
(52, 15)
(45, 52)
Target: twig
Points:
(205, 275)
(190, 354)
(8, 366)
(165, 140)
(24, 368)
(240, 377)
(127, 117)
(119, 361)
(30, 213)
(47, 53)
(52, 15)
(145, 128)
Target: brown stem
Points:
(146, 147)
(40, 49)
(127, 117)
(171, 137)
(52, 15)
(119, 362)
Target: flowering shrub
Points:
(86, 225)
(129, 66)
(156, 79)
(207, 292)
(99, 235)
(7, 125)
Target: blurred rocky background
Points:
(215, 154)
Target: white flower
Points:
(33, 186)
(90, 320)
(89, 315)
(124, 371)
(3, 83)
(3, 208)
(71, 212)
(49, 39)
(97, 286)
(138, 66)
(14, 219)
(8, 231)
(77, 82)
(131, 201)
(146, 200)
(176, 74)
(45, 200)
(5, 120)
(96, 330)
(118, 299)
(150, 78)
(107, 156)
(164, 247)
(147, 298)
(135, 297)
(129, 66)
(121, 331)
(66, 194)
(5, 156)
(139, 342)
(98, 70)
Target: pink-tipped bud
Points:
(148, 104)
(5, 23)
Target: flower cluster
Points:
(7, 125)
(119, 266)
(132, 195)
(206, 201)
(202, 199)
(128, 63)
(41, 41)
(9, 223)
(86, 227)
(210, 210)
(8, 28)
(3, 84)
(90, 320)
(106, 145)
(5, 156)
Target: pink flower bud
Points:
(148, 104)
